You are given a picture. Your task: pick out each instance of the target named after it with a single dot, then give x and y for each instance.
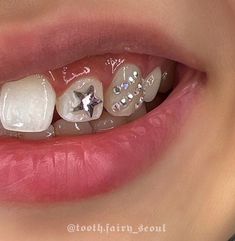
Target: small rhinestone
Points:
(140, 86)
(130, 96)
(164, 76)
(125, 85)
(131, 80)
(138, 104)
(117, 90)
(150, 80)
(136, 92)
(141, 99)
(135, 74)
(123, 102)
(116, 107)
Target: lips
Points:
(71, 168)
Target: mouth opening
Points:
(125, 87)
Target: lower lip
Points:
(73, 168)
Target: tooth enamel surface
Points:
(107, 122)
(65, 128)
(27, 105)
(151, 84)
(139, 113)
(125, 94)
(82, 101)
(4, 132)
(38, 135)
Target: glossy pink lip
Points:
(67, 37)
(63, 169)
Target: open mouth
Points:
(77, 125)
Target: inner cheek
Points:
(102, 67)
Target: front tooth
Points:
(65, 128)
(4, 132)
(37, 136)
(27, 105)
(107, 122)
(151, 84)
(125, 94)
(82, 101)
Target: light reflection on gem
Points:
(135, 74)
(117, 90)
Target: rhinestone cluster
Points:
(123, 103)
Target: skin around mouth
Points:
(72, 168)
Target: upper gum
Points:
(98, 67)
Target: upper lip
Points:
(42, 45)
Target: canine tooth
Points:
(107, 122)
(139, 113)
(37, 136)
(82, 101)
(27, 105)
(65, 128)
(124, 95)
(151, 84)
(168, 74)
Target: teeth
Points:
(4, 132)
(27, 105)
(139, 113)
(37, 136)
(125, 94)
(82, 101)
(151, 84)
(65, 128)
(167, 78)
(107, 122)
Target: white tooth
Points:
(82, 101)
(37, 136)
(151, 84)
(65, 128)
(107, 122)
(125, 94)
(27, 105)
(139, 113)
(4, 132)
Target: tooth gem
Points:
(131, 80)
(117, 90)
(130, 96)
(125, 85)
(164, 76)
(140, 86)
(137, 92)
(87, 101)
(139, 104)
(135, 74)
(116, 107)
(123, 101)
